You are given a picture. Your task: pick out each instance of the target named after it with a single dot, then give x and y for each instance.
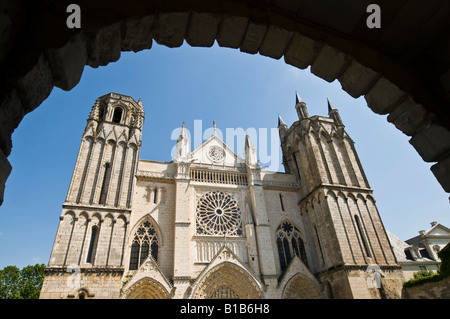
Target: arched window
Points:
(145, 242)
(92, 245)
(105, 184)
(281, 202)
(117, 115)
(319, 243)
(101, 113)
(362, 235)
(290, 243)
(296, 165)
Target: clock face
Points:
(215, 153)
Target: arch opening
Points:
(300, 287)
(146, 288)
(389, 86)
(226, 281)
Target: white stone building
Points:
(420, 252)
(210, 224)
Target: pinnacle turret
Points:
(300, 106)
(282, 127)
(330, 106)
(250, 152)
(334, 114)
(183, 144)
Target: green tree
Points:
(22, 283)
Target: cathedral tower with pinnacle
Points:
(337, 204)
(210, 224)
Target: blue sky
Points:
(235, 89)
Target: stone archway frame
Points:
(149, 281)
(383, 69)
(297, 281)
(301, 287)
(76, 293)
(146, 288)
(227, 270)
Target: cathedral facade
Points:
(210, 224)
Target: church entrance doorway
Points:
(227, 281)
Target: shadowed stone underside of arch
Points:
(401, 69)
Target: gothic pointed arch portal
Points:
(227, 281)
(146, 288)
(301, 287)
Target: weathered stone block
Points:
(357, 79)
(408, 116)
(275, 42)
(302, 51)
(105, 47)
(383, 96)
(68, 62)
(432, 142)
(202, 29)
(170, 28)
(5, 170)
(253, 38)
(137, 33)
(11, 113)
(330, 63)
(441, 171)
(232, 31)
(36, 85)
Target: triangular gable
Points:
(296, 266)
(200, 154)
(225, 254)
(149, 268)
(438, 230)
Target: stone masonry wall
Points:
(69, 283)
(431, 290)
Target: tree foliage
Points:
(25, 283)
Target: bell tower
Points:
(93, 226)
(344, 228)
(109, 152)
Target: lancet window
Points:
(289, 243)
(145, 243)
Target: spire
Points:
(330, 106)
(250, 152)
(280, 121)
(300, 106)
(248, 141)
(183, 133)
(214, 125)
(334, 114)
(297, 98)
(282, 127)
(183, 144)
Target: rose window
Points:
(218, 214)
(215, 153)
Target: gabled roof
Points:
(215, 140)
(437, 229)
